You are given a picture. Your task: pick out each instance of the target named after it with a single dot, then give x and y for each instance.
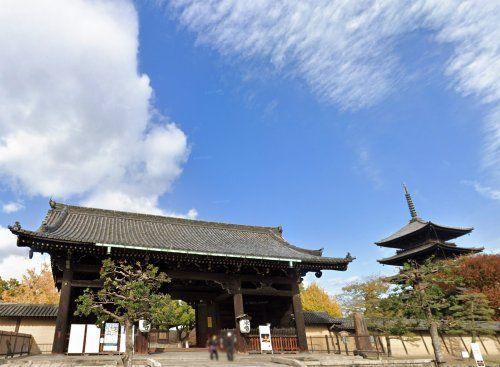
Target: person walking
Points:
(213, 343)
(229, 344)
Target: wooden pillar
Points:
(238, 311)
(299, 318)
(62, 314)
(201, 324)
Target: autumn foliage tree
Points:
(481, 274)
(34, 287)
(315, 298)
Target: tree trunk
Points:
(129, 344)
(435, 343)
(388, 342)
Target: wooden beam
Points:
(87, 283)
(82, 283)
(198, 275)
(267, 292)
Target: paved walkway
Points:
(201, 359)
(170, 359)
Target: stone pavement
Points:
(201, 359)
(170, 359)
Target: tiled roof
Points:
(88, 226)
(317, 318)
(445, 232)
(27, 310)
(428, 247)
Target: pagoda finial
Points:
(411, 206)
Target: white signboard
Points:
(476, 352)
(244, 326)
(111, 337)
(265, 338)
(92, 339)
(76, 338)
(123, 339)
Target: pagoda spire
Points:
(411, 206)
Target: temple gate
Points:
(222, 270)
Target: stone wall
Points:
(41, 329)
(418, 345)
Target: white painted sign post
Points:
(476, 352)
(76, 339)
(92, 336)
(265, 338)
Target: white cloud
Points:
(75, 114)
(14, 266)
(8, 243)
(12, 207)
(344, 50)
(367, 166)
(474, 31)
(486, 191)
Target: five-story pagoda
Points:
(421, 239)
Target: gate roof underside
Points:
(91, 227)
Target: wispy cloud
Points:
(344, 50)
(367, 166)
(486, 191)
(12, 207)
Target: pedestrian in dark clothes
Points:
(213, 343)
(229, 343)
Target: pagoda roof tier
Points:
(424, 251)
(107, 229)
(418, 231)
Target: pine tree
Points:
(129, 293)
(471, 309)
(421, 290)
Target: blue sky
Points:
(269, 114)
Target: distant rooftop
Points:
(27, 310)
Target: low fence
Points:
(281, 344)
(12, 343)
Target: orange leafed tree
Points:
(481, 273)
(315, 298)
(35, 287)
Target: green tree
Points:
(384, 311)
(315, 298)
(364, 297)
(129, 292)
(174, 313)
(421, 290)
(471, 309)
